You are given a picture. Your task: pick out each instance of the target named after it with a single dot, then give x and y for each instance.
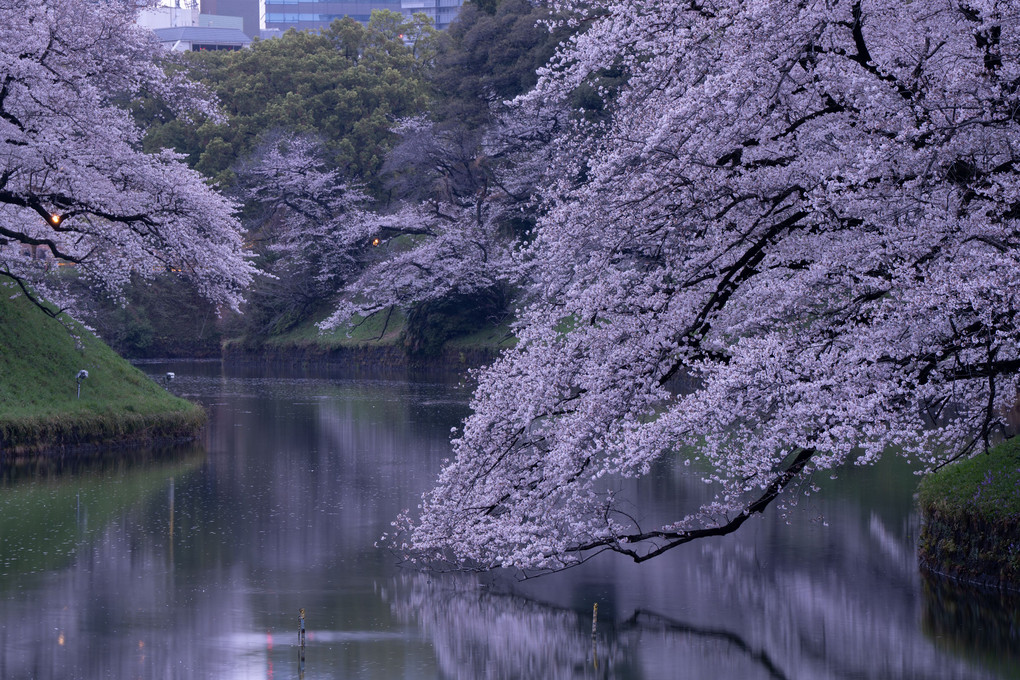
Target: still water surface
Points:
(193, 563)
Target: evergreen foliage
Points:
(489, 55)
(345, 85)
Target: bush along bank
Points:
(41, 407)
(971, 519)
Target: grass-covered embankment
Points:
(380, 340)
(971, 518)
(39, 409)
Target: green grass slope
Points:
(971, 518)
(378, 330)
(987, 485)
(39, 408)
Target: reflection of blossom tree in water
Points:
(480, 634)
(770, 604)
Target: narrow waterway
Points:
(194, 563)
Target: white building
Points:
(201, 38)
(185, 29)
(167, 17)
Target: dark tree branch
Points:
(28, 240)
(33, 298)
(677, 538)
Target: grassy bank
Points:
(378, 330)
(971, 518)
(39, 406)
(380, 338)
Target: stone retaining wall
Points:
(971, 548)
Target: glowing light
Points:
(376, 241)
(55, 219)
(60, 639)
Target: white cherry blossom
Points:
(789, 242)
(73, 177)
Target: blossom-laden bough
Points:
(808, 211)
(73, 177)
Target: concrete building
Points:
(166, 17)
(248, 10)
(185, 29)
(442, 12)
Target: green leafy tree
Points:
(456, 178)
(345, 85)
(490, 54)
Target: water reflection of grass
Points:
(47, 509)
(977, 624)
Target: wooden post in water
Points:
(171, 520)
(301, 644)
(594, 630)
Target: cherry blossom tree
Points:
(786, 240)
(309, 221)
(467, 198)
(324, 235)
(303, 200)
(73, 178)
(465, 181)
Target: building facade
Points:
(182, 29)
(442, 12)
(167, 16)
(247, 10)
(201, 38)
(305, 14)
(317, 14)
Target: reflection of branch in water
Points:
(697, 631)
(797, 626)
(477, 632)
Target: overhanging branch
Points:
(677, 538)
(32, 297)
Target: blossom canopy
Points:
(786, 240)
(73, 177)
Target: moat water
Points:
(194, 563)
